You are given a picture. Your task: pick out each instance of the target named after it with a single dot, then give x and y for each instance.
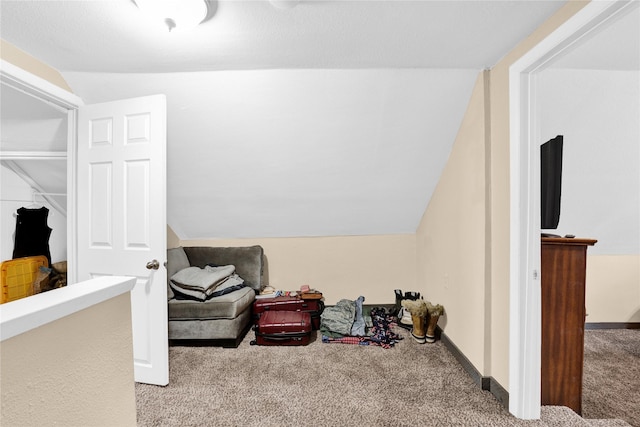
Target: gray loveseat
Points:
(222, 320)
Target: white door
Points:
(121, 214)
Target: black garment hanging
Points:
(32, 233)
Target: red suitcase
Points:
(283, 328)
(284, 303)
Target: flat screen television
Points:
(550, 182)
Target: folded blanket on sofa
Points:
(204, 283)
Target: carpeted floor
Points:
(330, 385)
(611, 379)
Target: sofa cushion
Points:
(225, 329)
(226, 306)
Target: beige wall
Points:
(473, 281)
(340, 267)
(173, 241)
(613, 288)
(12, 54)
(76, 371)
(451, 236)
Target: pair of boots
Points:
(417, 315)
(425, 319)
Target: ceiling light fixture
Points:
(176, 14)
(284, 4)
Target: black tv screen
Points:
(550, 182)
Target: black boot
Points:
(414, 296)
(396, 308)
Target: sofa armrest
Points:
(176, 261)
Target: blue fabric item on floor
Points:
(358, 329)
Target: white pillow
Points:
(201, 279)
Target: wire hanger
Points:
(35, 204)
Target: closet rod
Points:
(35, 193)
(33, 155)
(49, 194)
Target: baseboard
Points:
(462, 359)
(498, 392)
(612, 325)
(485, 383)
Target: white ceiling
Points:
(329, 118)
(111, 36)
(615, 45)
(45, 129)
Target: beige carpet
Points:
(611, 379)
(327, 385)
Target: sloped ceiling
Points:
(329, 118)
(29, 130)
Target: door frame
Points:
(39, 88)
(525, 300)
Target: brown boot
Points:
(435, 311)
(418, 311)
(417, 332)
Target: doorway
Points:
(33, 158)
(525, 328)
(37, 155)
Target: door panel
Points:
(100, 192)
(122, 215)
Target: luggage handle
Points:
(282, 338)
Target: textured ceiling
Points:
(329, 118)
(110, 36)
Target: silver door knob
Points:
(153, 265)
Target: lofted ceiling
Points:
(328, 118)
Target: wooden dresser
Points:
(563, 271)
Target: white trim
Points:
(37, 87)
(72, 195)
(23, 315)
(524, 315)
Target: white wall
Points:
(598, 112)
(298, 153)
(14, 194)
